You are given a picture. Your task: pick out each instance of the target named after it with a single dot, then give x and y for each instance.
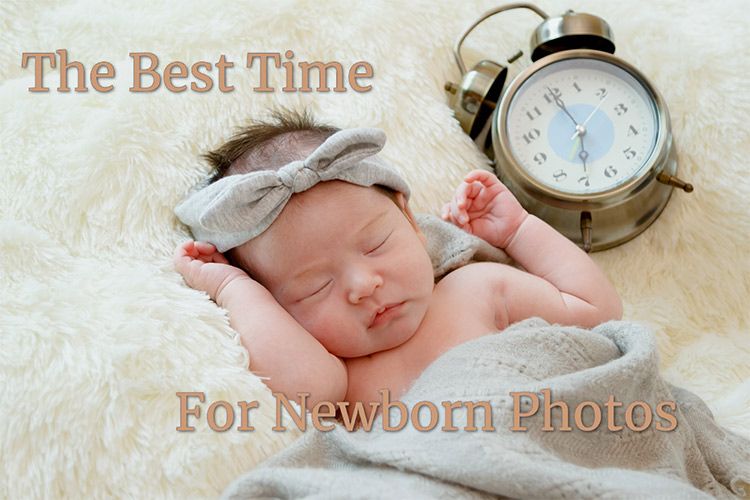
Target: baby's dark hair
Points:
(269, 145)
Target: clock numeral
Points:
(531, 135)
(632, 131)
(560, 175)
(629, 153)
(621, 109)
(601, 93)
(531, 116)
(575, 86)
(610, 171)
(540, 158)
(585, 178)
(556, 92)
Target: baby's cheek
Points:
(415, 264)
(319, 320)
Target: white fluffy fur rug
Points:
(98, 332)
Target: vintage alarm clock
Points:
(581, 137)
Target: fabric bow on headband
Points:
(237, 208)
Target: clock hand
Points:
(580, 129)
(583, 154)
(573, 151)
(561, 105)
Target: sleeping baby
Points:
(305, 236)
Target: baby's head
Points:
(338, 252)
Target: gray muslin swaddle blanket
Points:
(450, 247)
(698, 459)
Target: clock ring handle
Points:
(457, 46)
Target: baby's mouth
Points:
(382, 310)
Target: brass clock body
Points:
(581, 163)
(618, 213)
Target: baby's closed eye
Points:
(320, 289)
(315, 290)
(380, 244)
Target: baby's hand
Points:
(484, 207)
(203, 268)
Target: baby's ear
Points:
(400, 199)
(404, 204)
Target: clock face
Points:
(582, 125)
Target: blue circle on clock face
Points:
(597, 141)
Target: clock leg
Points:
(674, 181)
(586, 231)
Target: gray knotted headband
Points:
(237, 208)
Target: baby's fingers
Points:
(445, 212)
(206, 252)
(181, 259)
(211, 254)
(184, 251)
(483, 176)
(463, 199)
(204, 247)
(483, 195)
(218, 257)
(454, 214)
(489, 186)
(458, 212)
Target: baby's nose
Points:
(363, 285)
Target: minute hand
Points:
(561, 104)
(579, 131)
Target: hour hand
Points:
(561, 105)
(583, 155)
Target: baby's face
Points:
(335, 255)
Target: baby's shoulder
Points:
(476, 275)
(476, 287)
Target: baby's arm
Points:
(572, 288)
(562, 285)
(279, 347)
